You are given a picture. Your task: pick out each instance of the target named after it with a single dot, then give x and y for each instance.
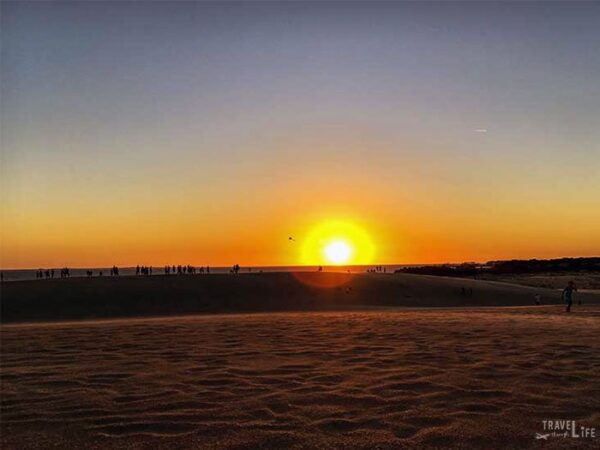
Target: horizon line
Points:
(283, 266)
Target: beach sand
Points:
(106, 297)
(449, 378)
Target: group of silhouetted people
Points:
(114, 272)
(143, 270)
(41, 273)
(185, 270)
(49, 273)
(235, 268)
(377, 269)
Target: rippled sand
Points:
(415, 379)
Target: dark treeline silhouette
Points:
(445, 270)
(545, 265)
(515, 266)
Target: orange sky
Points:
(197, 133)
(251, 229)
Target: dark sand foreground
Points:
(92, 298)
(446, 378)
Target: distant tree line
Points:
(514, 266)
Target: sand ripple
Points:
(448, 379)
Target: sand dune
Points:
(82, 298)
(415, 379)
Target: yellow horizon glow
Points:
(426, 221)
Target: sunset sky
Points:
(154, 133)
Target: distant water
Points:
(29, 274)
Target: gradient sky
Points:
(208, 133)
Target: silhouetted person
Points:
(52, 273)
(137, 270)
(1, 277)
(568, 294)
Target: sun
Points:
(338, 252)
(337, 242)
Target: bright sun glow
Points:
(337, 243)
(338, 252)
